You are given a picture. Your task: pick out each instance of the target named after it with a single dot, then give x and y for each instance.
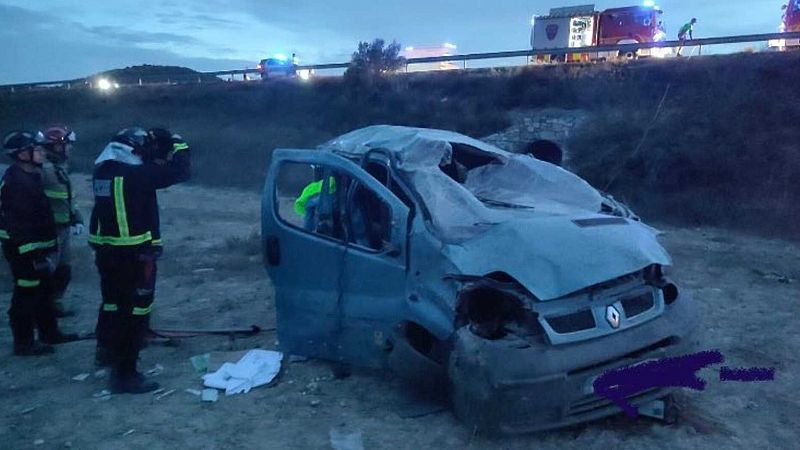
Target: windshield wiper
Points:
(502, 204)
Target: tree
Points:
(372, 60)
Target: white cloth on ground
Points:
(256, 368)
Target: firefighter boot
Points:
(131, 384)
(125, 379)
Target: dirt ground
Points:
(747, 288)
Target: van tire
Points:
(471, 395)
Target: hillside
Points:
(722, 151)
(155, 74)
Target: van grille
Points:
(571, 323)
(637, 305)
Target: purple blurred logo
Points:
(619, 385)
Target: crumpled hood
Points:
(553, 256)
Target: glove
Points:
(77, 229)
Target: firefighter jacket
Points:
(125, 214)
(27, 227)
(58, 188)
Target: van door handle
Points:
(272, 251)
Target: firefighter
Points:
(29, 241)
(124, 232)
(57, 143)
(688, 28)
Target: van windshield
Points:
(473, 188)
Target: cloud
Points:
(197, 20)
(128, 37)
(35, 54)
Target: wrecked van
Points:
(450, 262)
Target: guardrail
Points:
(623, 48)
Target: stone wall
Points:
(554, 125)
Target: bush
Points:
(372, 62)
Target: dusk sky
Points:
(44, 40)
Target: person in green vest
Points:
(306, 204)
(57, 143)
(685, 30)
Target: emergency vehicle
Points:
(584, 26)
(281, 66)
(790, 23)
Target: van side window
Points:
(312, 198)
(328, 202)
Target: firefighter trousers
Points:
(127, 284)
(31, 306)
(63, 273)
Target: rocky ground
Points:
(211, 276)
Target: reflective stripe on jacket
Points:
(311, 190)
(58, 188)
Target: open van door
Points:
(335, 246)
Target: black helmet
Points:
(19, 141)
(135, 137)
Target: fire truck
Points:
(790, 23)
(584, 26)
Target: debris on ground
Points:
(164, 394)
(210, 395)
(102, 395)
(255, 368)
(155, 370)
(129, 432)
(28, 410)
(100, 373)
(81, 377)
(342, 438)
(38, 442)
(200, 362)
(193, 392)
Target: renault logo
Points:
(613, 316)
